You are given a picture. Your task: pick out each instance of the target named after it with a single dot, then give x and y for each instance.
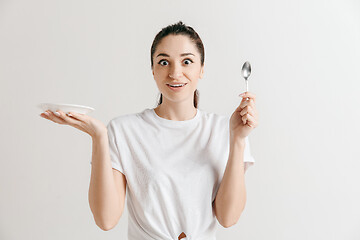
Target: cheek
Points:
(194, 71)
(193, 74)
(159, 75)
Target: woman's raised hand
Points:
(83, 122)
(245, 117)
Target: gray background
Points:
(305, 59)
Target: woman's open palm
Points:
(83, 122)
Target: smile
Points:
(177, 87)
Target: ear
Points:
(202, 72)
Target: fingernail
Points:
(69, 114)
(57, 114)
(242, 94)
(47, 114)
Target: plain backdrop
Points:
(305, 58)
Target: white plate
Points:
(65, 108)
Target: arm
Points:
(231, 197)
(105, 199)
(107, 186)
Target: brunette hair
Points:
(179, 28)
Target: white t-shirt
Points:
(173, 171)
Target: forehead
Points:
(176, 44)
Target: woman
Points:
(182, 167)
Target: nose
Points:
(176, 72)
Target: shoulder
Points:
(215, 119)
(125, 120)
(214, 116)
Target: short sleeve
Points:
(248, 158)
(114, 145)
(115, 158)
(248, 162)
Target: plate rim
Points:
(67, 105)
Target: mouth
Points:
(176, 86)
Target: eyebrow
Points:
(183, 54)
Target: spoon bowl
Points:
(245, 72)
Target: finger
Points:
(55, 118)
(240, 107)
(253, 121)
(244, 103)
(68, 118)
(247, 110)
(250, 120)
(252, 113)
(44, 115)
(79, 116)
(249, 95)
(251, 103)
(252, 106)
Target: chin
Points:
(174, 98)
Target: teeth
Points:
(177, 85)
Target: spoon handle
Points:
(247, 87)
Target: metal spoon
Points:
(245, 72)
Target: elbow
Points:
(106, 227)
(226, 223)
(106, 223)
(227, 219)
(229, 224)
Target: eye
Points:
(162, 60)
(189, 60)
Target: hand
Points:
(245, 117)
(83, 122)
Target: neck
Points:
(176, 111)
